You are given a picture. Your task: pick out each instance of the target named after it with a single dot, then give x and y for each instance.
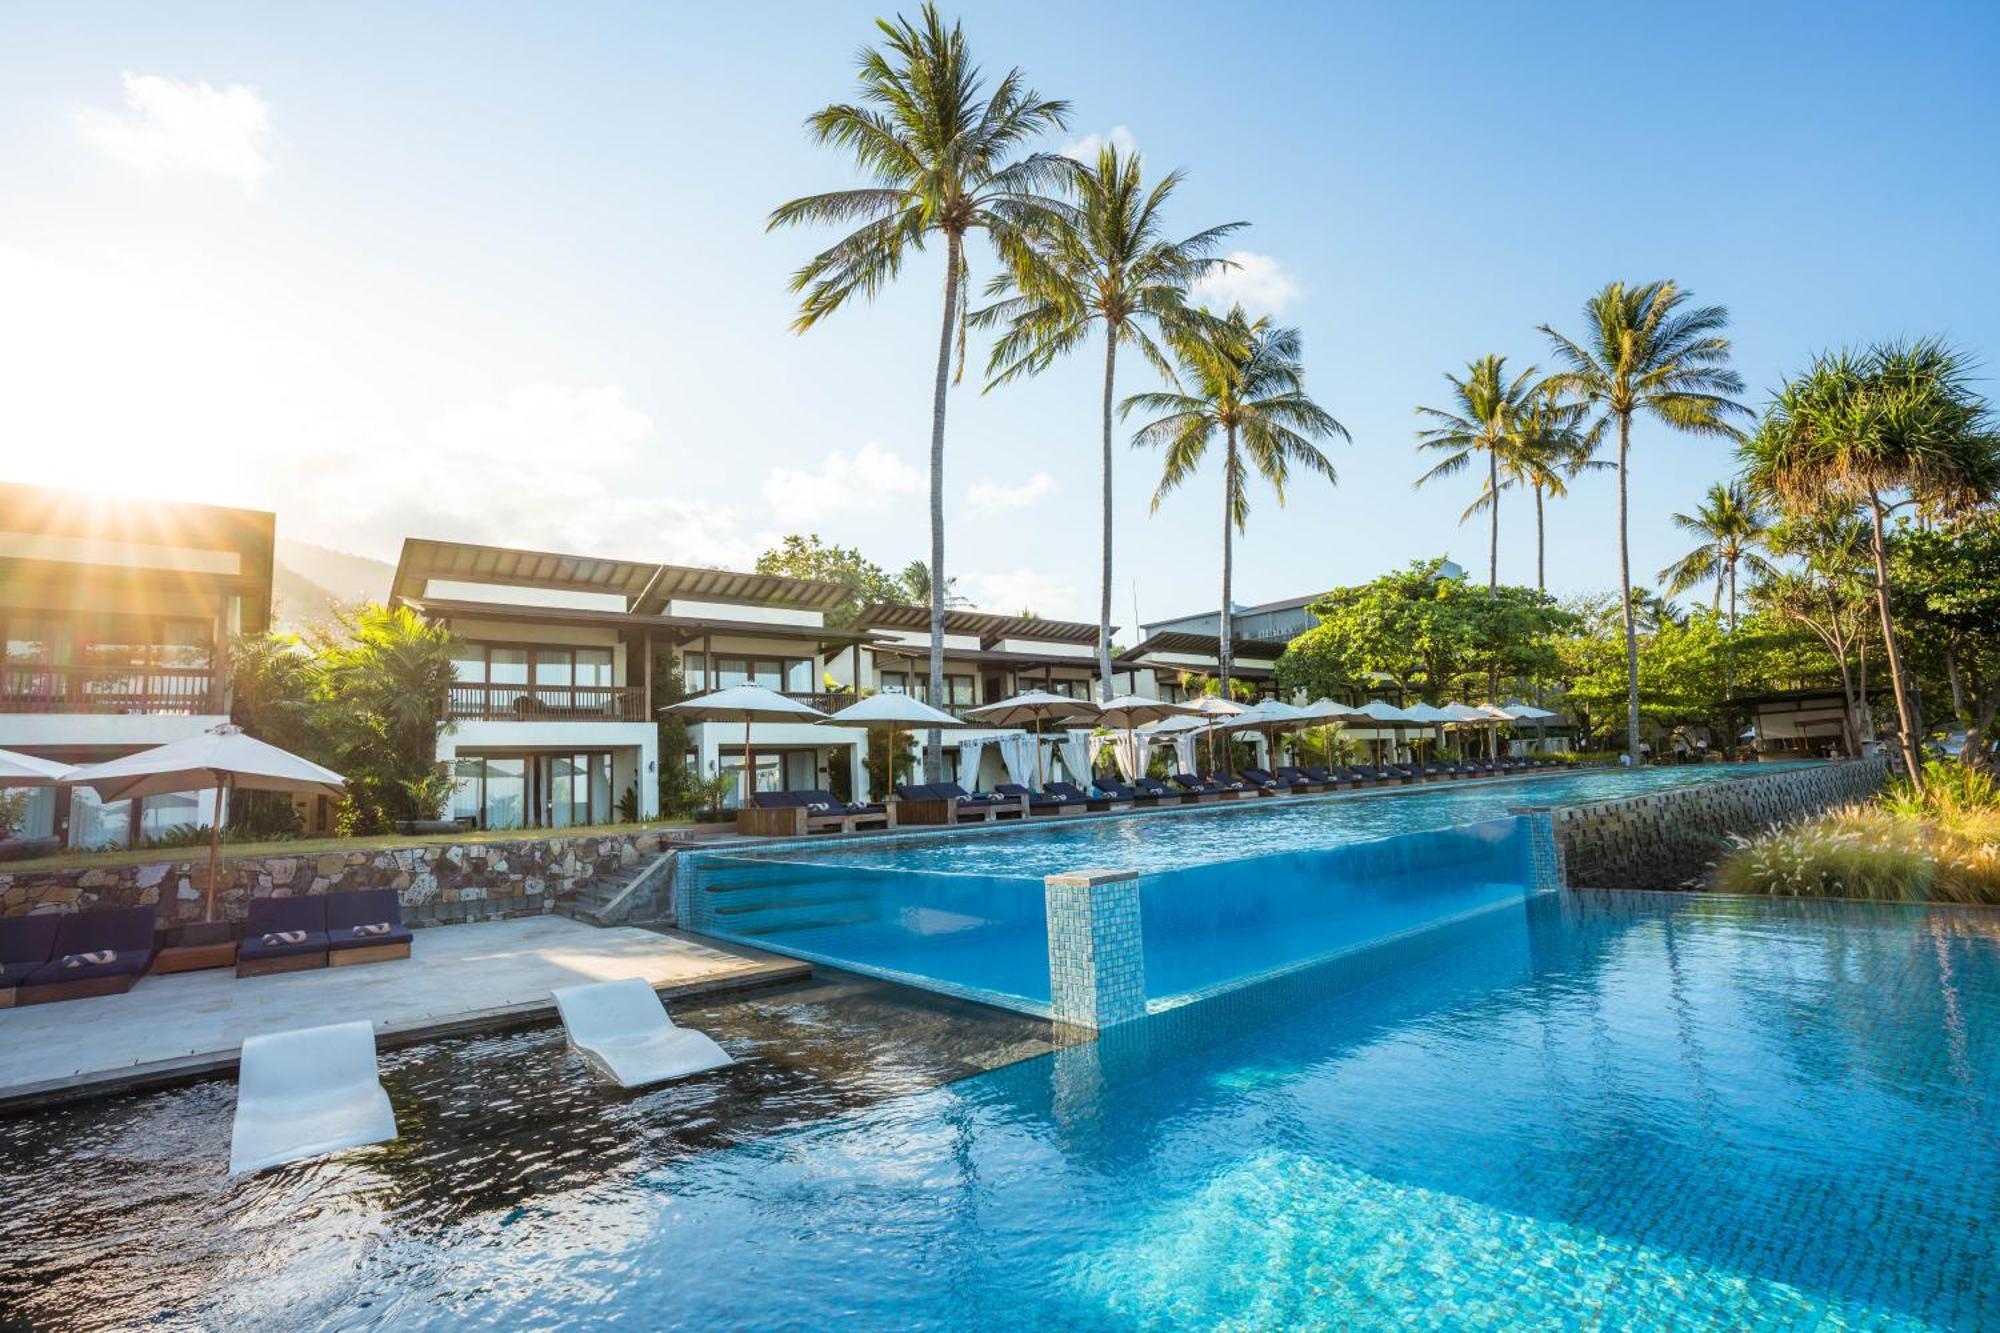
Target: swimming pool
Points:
(1592, 1111)
(1227, 894)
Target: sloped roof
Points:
(989, 627)
(646, 587)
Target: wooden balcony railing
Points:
(546, 703)
(70, 689)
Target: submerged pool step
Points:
(734, 908)
(759, 929)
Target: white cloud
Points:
(1048, 595)
(170, 127)
(1087, 148)
(987, 496)
(873, 479)
(1259, 283)
(545, 466)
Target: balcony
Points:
(173, 691)
(545, 703)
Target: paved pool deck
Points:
(458, 979)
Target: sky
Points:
(500, 273)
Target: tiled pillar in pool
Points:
(1097, 961)
(1545, 853)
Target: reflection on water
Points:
(1599, 1111)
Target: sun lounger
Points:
(305, 1093)
(94, 953)
(1161, 792)
(1044, 804)
(1299, 780)
(622, 1030)
(25, 945)
(819, 811)
(1325, 776)
(1128, 794)
(1071, 794)
(283, 935)
(354, 927)
(1194, 787)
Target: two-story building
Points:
(118, 618)
(559, 677)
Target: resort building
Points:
(987, 658)
(1177, 664)
(564, 660)
(118, 621)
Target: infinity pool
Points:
(1227, 894)
(1589, 1111)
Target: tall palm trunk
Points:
(1230, 482)
(1541, 546)
(1905, 714)
(1625, 588)
(1104, 690)
(1493, 526)
(933, 740)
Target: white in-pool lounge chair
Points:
(307, 1092)
(622, 1029)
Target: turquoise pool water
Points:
(1584, 1112)
(1227, 895)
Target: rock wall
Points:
(1668, 840)
(439, 882)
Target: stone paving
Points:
(170, 1027)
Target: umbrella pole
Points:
(214, 848)
(1038, 752)
(749, 766)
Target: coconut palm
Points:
(1485, 414)
(1547, 449)
(946, 158)
(1642, 352)
(1733, 525)
(1896, 424)
(1107, 263)
(1241, 381)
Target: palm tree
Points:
(1827, 596)
(1242, 381)
(1733, 525)
(1105, 263)
(1896, 424)
(1643, 353)
(915, 585)
(1484, 416)
(946, 159)
(1549, 449)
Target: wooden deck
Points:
(458, 979)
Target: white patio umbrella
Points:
(1521, 712)
(1326, 712)
(1466, 714)
(1131, 711)
(225, 758)
(892, 708)
(1430, 713)
(1035, 706)
(27, 770)
(746, 704)
(1376, 710)
(1269, 717)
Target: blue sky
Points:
(499, 273)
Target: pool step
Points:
(757, 929)
(735, 909)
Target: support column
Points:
(1546, 868)
(1097, 963)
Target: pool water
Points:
(1583, 1111)
(1227, 895)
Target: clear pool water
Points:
(1595, 1111)
(1227, 895)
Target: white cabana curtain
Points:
(1126, 749)
(1017, 752)
(1075, 754)
(1184, 754)
(968, 763)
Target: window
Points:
(593, 666)
(800, 678)
(787, 675)
(507, 666)
(554, 666)
(694, 674)
(468, 662)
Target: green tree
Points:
(1642, 352)
(914, 585)
(1547, 450)
(1947, 581)
(1485, 415)
(1105, 263)
(1733, 526)
(1243, 382)
(1893, 425)
(384, 684)
(945, 158)
(809, 557)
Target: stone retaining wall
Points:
(439, 882)
(1666, 840)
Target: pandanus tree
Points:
(1733, 526)
(1484, 416)
(1106, 263)
(1643, 351)
(945, 158)
(1827, 595)
(1240, 382)
(1897, 424)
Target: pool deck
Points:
(458, 979)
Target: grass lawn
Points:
(314, 846)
